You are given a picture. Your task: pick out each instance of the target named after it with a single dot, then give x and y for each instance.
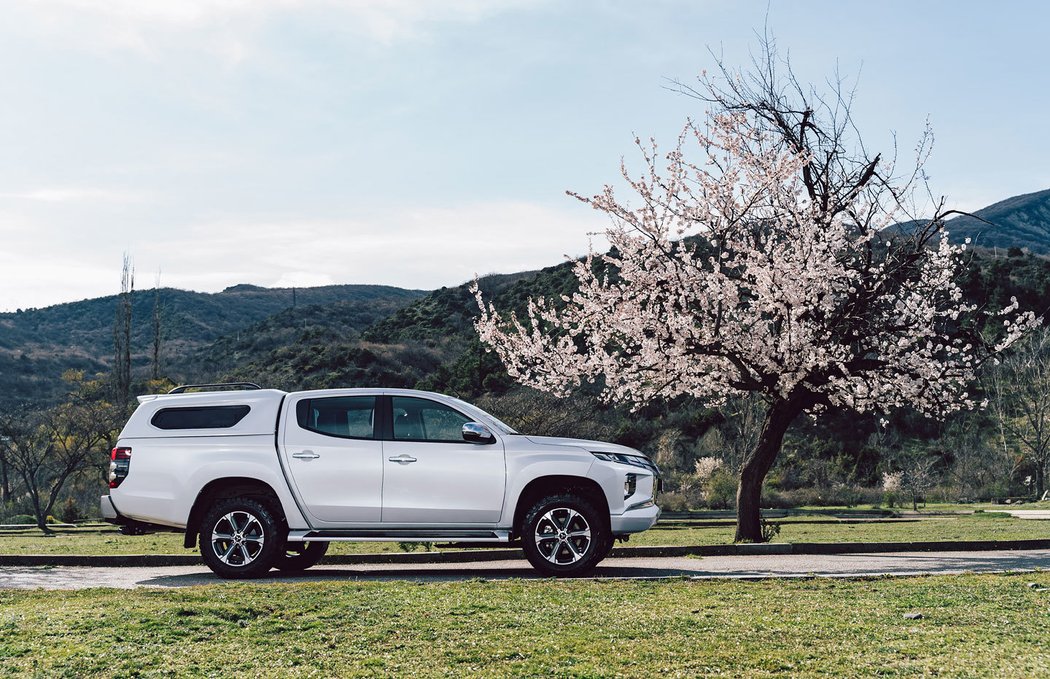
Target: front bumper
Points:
(635, 520)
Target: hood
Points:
(590, 446)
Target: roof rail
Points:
(182, 389)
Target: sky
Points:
(418, 143)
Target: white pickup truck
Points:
(262, 478)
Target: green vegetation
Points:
(971, 626)
(38, 345)
(988, 526)
(372, 335)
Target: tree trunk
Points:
(41, 514)
(781, 413)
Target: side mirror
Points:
(477, 433)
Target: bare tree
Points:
(122, 335)
(5, 482)
(743, 425)
(48, 449)
(918, 473)
(1019, 395)
(155, 374)
(980, 466)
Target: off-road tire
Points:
(255, 538)
(607, 548)
(298, 556)
(564, 535)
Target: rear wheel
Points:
(240, 538)
(298, 556)
(564, 535)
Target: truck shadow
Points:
(738, 567)
(479, 572)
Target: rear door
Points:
(433, 476)
(334, 457)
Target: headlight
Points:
(633, 460)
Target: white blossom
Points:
(725, 276)
(705, 467)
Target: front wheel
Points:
(240, 538)
(564, 535)
(298, 556)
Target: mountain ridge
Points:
(383, 334)
(38, 345)
(1021, 221)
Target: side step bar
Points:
(391, 535)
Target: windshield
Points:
(486, 418)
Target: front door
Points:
(433, 476)
(335, 459)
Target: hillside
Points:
(346, 336)
(429, 342)
(37, 345)
(1017, 222)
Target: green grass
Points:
(972, 626)
(930, 507)
(980, 505)
(985, 526)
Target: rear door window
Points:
(350, 417)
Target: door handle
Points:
(306, 455)
(402, 459)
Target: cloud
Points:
(413, 248)
(72, 194)
(422, 248)
(229, 27)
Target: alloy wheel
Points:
(238, 538)
(563, 536)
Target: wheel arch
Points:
(230, 487)
(560, 483)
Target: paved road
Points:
(766, 566)
(1039, 514)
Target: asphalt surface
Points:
(736, 567)
(1037, 514)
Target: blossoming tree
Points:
(756, 256)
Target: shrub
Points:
(70, 513)
(720, 489)
(20, 518)
(674, 501)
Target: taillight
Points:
(119, 463)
